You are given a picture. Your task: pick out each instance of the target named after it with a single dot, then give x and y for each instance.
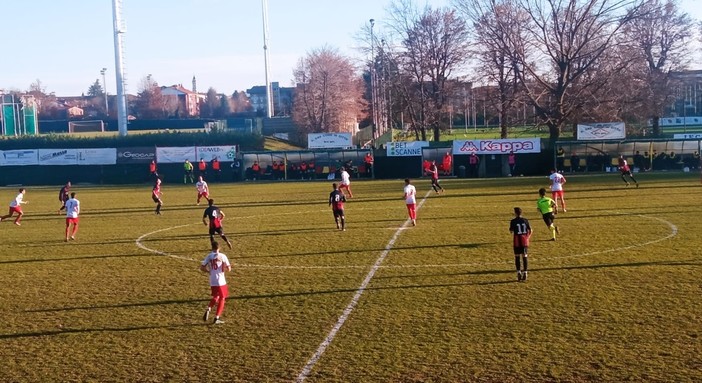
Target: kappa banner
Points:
(498, 146)
(405, 149)
(328, 140)
(225, 153)
(602, 131)
(58, 156)
(136, 155)
(175, 154)
(19, 157)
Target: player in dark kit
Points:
(215, 216)
(336, 201)
(521, 230)
(63, 195)
(156, 195)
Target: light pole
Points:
(372, 84)
(104, 84)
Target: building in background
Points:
(282, 99)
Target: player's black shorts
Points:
(627, 173)
(548, 218)
(520, 250)
(216, 230)
(156, 199)
(338, 213)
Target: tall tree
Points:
(564, 41)
(240, 102)
(150, 101)
(435, 44)
(210, 104)
(329, 92)
(499, 29)
(656, 44)
(96, 89)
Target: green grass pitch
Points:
(615, 299)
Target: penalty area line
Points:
(354, 301)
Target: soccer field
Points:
(615, 298)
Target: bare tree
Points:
(150, 101)
(499, 29)
(329, 92)
(434, 45)
(563, 43)
(656, 46)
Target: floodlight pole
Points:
(104, 84)
(372, 84)
(119, 32)
(266, 59)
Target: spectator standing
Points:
(368, 160)
(152, 170)
(216, 169)
(447, 163)
(236, 170)
(512, 162)
(255, 170)
(574, 162)
(473, 161)
(521, 231)
(202, 168)
(560, 158)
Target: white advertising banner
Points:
(497, 146)
(96, 156)
(328, 140)
(20, 157)
(225, 153)
(175, 154)
(693, 136)
(58, 156)
(602, 131)
(405, 149)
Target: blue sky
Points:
(65, 43)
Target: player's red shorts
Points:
(70, 220)
(203, 195)
(15, 209)
(220, 291)
(344, 186)
(556, 194)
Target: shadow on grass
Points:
(75, 258)
(373, 251)
(92, 330)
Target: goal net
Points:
(86, 126)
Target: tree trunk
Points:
(656, 123)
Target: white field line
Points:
(354, 301)
(673, 233)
